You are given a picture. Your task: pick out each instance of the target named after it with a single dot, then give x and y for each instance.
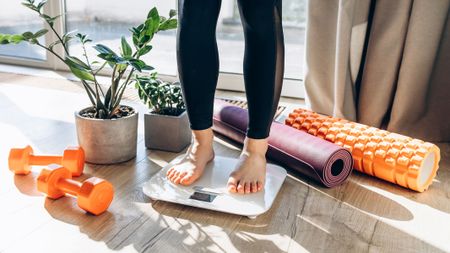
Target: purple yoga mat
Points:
(322, 161)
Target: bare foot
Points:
(250, 173)
(191, 167)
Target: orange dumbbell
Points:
(93, 195)
(21, 159)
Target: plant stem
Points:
(97, 85)
(59, 37)
(113, 86)
(101, 67)
(51, 51)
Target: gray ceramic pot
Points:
(107, 141)
(168, 133)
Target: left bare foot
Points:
(249, 175)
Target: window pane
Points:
(231, 37)
(16, 19)
(106, 21)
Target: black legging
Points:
(198, 60)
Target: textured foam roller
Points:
(320, 160)
(396, 158)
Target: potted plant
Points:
(167, 124)
(107, 129)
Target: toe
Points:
(187, 179)
(179, 177)
(260, 186)
(171, 174)
(232, 182)
(169, 171)
(174, 175)
(184, 179)
(232, 188)
(254, 187)
(240, 188)
(247, 187)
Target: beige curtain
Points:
(383, 63)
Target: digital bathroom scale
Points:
(210, 190)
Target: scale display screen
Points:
(201, 196)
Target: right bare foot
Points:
(191, 167)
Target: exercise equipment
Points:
(396, 158)
(94, 195)
(322, 161)
(21, 159)
(210, 190)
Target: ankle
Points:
(255, 147)
(203, 137)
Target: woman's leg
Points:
(198, 67)
(263, 75)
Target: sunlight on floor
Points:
(36, 102)
(425, 219)
(313, 224)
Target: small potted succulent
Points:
(167, 124)
(106, 129)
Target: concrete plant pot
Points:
(168, 133)
(107, 141)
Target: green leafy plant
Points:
(125, 64)
(163, 98)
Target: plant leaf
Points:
(78, 68)
(172, 13)
(41, 4)
(168, 25)
(82, 74)
(152, 22)
(126, 48)
(108, 97)
(28, 35)
(103, 49)
(153, 13)
(16, 38)
(137, 64)
(77, 63)
(40, 33)
(145, 50)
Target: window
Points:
(231, 38)
(14, 18)
(106, 21)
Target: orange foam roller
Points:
(396, 158)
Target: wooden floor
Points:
(362, 215)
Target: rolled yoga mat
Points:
(396, 158)
(320, 160)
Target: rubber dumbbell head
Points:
(73, 160)
(93, 195)
(21, 159)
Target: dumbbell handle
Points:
(69, 186)
(44, 160)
